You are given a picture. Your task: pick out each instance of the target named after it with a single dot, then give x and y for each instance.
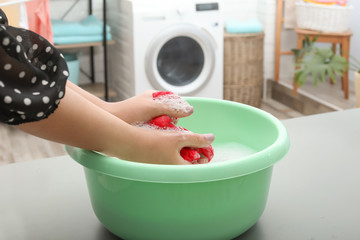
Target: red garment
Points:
(39, 21)
(188, 153)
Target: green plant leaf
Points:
(306, 48)
(319, 63)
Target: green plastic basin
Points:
(207, 201)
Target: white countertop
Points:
(314, 193)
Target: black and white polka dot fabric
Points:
(33, 75)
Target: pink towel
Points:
(38, 12)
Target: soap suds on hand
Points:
(173, 101)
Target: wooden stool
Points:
(334, 38)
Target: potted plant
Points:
(318, 63)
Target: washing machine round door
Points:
(180, 59)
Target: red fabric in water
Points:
(165, 122)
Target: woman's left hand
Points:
(142, 108)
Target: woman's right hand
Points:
(162, 147)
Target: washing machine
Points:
(173, 45)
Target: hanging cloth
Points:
(39, 18)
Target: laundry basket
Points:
(322, 17)
(243, 68)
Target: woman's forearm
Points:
(92, 98)
(140, 108)
(130, 110)
(77, 122)
(80, 123)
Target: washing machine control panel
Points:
(207, 6)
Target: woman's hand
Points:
(159, 147)
(142, 108)
(80, 123)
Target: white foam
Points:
(174, 102)
(144, 125)
(230, 151)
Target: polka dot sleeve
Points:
(33, 75)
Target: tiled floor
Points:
(326, 92)
(18, 146)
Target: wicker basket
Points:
(322, 17)
(243, 68)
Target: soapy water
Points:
(222, 152)
(230, 151)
